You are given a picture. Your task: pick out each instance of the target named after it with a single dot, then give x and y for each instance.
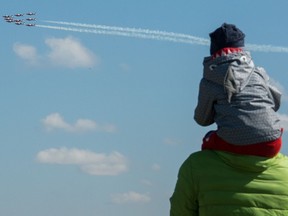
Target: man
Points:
(218, 183)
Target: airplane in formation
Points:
(18, 15)
(18, 21)
(7, 16)
(31, 13)
(30, 19)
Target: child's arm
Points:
(204, 112)
(276, 97)
(274, 93)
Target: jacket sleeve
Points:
(204, 112)
(274, 93)
(276, 96)
(184, 199)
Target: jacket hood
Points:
(231, 70)
(249, 163)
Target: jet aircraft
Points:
(8, 19)
(31, 19)
(19, 23)
(17, 20)
(18, 15)
(7, 16)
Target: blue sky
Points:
(97, 112)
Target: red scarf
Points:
(264, 149)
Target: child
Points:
(237, 96)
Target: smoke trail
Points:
(149, 34)
(125, 34)
(266, 48)
(200, 41)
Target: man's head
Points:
(227, 35)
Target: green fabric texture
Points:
(212, 183)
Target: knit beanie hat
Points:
(227, 35)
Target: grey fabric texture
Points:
(238, 97)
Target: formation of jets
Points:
(21, 18)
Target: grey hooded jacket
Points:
(238, 97)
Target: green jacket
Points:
(215, 183)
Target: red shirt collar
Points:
(226, 51)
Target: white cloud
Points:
(65, 52)
(156, 167)
(125, 67)
(130, 197)
(88, 161)
(146, 182)
(56, 121)
(284, 120)
(70, 53)
(171, 141)
(26, 52)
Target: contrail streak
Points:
(125, 34)
(148, 34)
(266, 48)
(199, 40)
